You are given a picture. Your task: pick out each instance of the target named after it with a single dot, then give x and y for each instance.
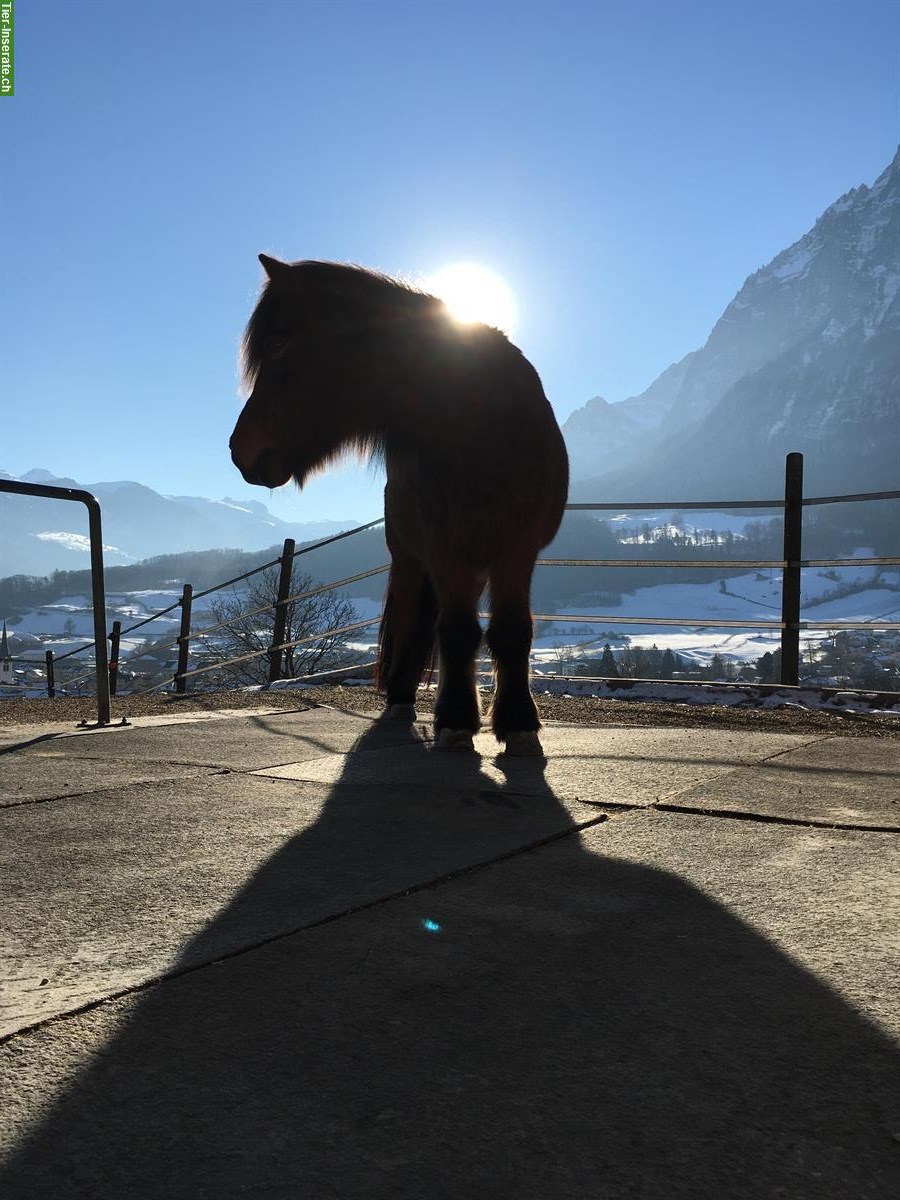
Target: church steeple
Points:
(6, 667)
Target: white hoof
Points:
(524, 743)
(456, 740)
(401, 712)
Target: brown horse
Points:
(339, 357)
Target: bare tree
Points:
(250, 617)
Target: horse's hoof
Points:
(524, 743)
(457, 740)
(401, 712)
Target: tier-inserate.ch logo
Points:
(7, 56)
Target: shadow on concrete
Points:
(560, 1024)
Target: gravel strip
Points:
(576, 710)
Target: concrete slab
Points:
(106, 891)
(12, 735)
(18, 735)
(631, 766)
(667, 1006)
(240, 743)
(52, 774)
(841, 781)
(829, 899)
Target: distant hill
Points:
(806, 357)
(202, 569)
(38, 536)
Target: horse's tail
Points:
(419, 651)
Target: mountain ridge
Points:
(805, 357)
(38, 535)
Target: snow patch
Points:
(796, 263)
(782, 421)
(834, 330)
(79, 542)
(723, 696)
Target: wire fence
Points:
(274, 612)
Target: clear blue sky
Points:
(623, 165)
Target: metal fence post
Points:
(184, 644)
(114, 638)
(281, 611)
(51, 682)
(101, 669)
(790, 581)
(98, 595)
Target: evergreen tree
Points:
(608, 667)
(765, 668)
(667, 666)
(717, 667)
(639, 666)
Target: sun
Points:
(475, 293)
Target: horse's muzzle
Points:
(267, 470)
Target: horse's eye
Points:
(275, 344)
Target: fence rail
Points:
(791, 504)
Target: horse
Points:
(337, 357)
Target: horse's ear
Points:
(272, 266)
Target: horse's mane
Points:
(352, 295)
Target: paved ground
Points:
(292, 954)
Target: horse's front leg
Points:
(457, 711)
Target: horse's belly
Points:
(475, 505)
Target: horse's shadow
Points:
(557, 1024)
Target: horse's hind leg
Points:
(514, 716)
(457, 712)
(407, 635)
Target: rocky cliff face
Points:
(806, 357)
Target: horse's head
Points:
(260, 445)
(317, 357)
(306, 359)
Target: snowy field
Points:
(754, 596)
(69, 621)
(751, 597)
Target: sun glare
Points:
(475, 293)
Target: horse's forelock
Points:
(253, 339)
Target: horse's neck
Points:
(391, 380)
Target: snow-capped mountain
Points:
(38, 536)
(806, 357)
